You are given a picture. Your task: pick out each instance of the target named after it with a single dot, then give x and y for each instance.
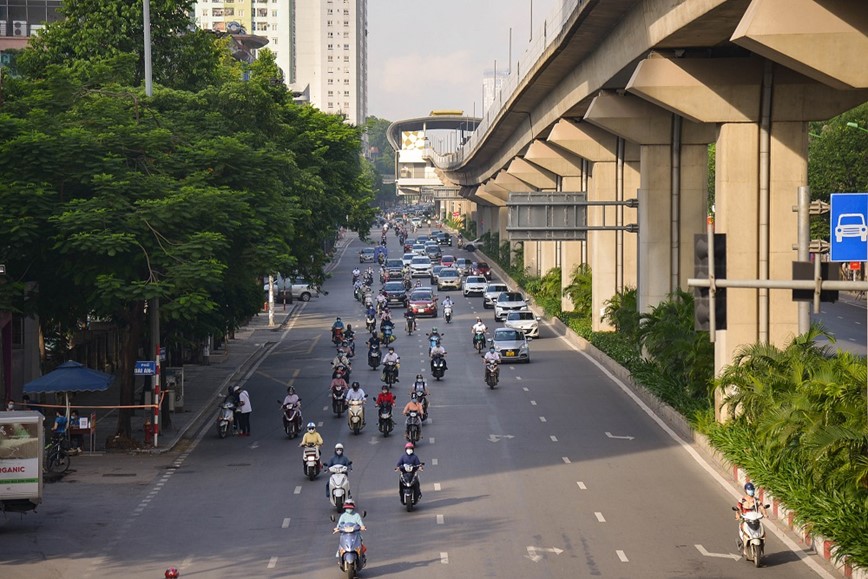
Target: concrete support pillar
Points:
(549, 256)
(629, 242)
(570, 251)
(531, 257)
(602, 244)
(502, 220)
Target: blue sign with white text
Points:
(848, 227)
(145, 368)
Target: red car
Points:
(408, 244)
(422, 302)
(481, 268)
(447, 261)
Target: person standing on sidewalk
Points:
(244, 413)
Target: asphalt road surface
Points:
(556, 473)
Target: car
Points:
(395, 292)
(298, 288)
(416, 221)
(423, 239)
(408, 244)
(474, 284)
(419, 249)
(524, 320)
(366, 255)
(508, 302)
(448, 261)
(511, 345)
(462, 264)
(423, 302)
(435, 270)
(394, 268)
(420, 266)
(448, 278)
(481, 268)
(433, 252)
(851, 225)
(444, 239)
(407, 258)
(491, 292)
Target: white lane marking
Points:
(318, 424)
(705, 553)
(600, 517)
(439, 519)
(582, 486)
(554, 438)
(285, 524)
(533, 402)
(444, 558)
(255, 445)
(436, 486)
(622, 556)
(610, 435)
(431, 440)
(434, 461)
(272, 563)
(297, 490)
(518, 377)
(566, 459)
(542, 419)
(791, 545)
(325, 408)
(525, 389)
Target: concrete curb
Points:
(783, 518)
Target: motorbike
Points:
(370, 323)
(225, 418)
(291, 419)
(339, 486)
(311, 462)
(460, 243)
(438, 367)
(751, 534)
(447, 313)
(388, 338)
(351, 551)
(411, 325)
(385, 423)
(390, 374)
(414, 427)
(374, 356)
(409, 475)
(433, 340)
(356, 415)
(479, 341)
(339, 403)
(356, 277)
(492, 375)
(337, 336)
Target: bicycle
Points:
(57, 456)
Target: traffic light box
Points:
(701, 295)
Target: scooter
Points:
(438, 367)
(374, 356)
(356, 416)
(385, 423)
(388, 337)
(339, 403)
(370, 323)
(411, 326)
(414, 427)
(291, 419)
(751, 535)
(478, 341)
(310, 459)
(409, 475)
(337, 336)
(225, 418)
(339, 486)
(492, 375)
(447, 313)
(390, 374)
(351, 553)
(433, 340)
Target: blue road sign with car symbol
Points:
(848, 227)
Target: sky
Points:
(429, 55)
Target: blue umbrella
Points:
(70, 377)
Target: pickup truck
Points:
(300, 288)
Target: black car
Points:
(395, 292)
(394, 268)
(444, 238)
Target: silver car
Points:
(462, 264)
(474, 284)
(523, 320)
(448, 278)
(508, 302)
(491, 292)
(420, 267)
(511, 345)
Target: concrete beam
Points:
(584, 140)
(534, 175)
(826, 41)
(554, 159)
(728, 90)
(510, 182)
(489, 200)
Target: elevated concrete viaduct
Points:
(624, 101)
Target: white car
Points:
(474, 284)
(508, 302)
(462, 264)
(492, 290)
(420, 266)
(851, 225)
(448, 278)
(511, 345)
(419, 249)
(407, 258)
(523, 320)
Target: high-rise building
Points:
(321, 46)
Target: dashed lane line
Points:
(600, 517)
(554, 438)
(285, 524)
(582, 486)
(622, 556)
(566, 459)
(440, 519)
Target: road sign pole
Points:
(804, 240)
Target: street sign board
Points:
(546, 216)
(145, 368)
(848, 227)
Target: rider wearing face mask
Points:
(409, 457)
(338, 458)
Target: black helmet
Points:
(413, 396)
(356, 385)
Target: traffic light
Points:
(829, 271)
(701, 297)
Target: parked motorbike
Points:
(414, 427)
(351, 554)
(311, 462)
(390, 374)
(447, 313)
(438, 367)
(409, 475)
(479, 341)
(225, 418)
(291, 419)
(492, 375)
(385, 423)
(338, 391)
(356, 415)
(751, 535)
(374, 356)
(339, 486)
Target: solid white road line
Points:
(434, 461)
(436, 486)
(582, 486)
(297, 490)
(622, 556)
(439, 519)
(285, 524)
(600, 517)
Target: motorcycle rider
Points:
(338, 458)
(374, 341)
(409, 457)
(447, 303)
(337, 329)
(412, 406)
(438, 350)
(356, 274)
(749, 502)
(311, 437)
(391, 358)
(492, 356)
(291, 398)
(478, 327)
(385, 397)
(349, 333)
(410, 316)
(356, 394)
(351, 517)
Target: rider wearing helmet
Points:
(420, 387)
(749, 501)
(350, 517)
(385, 398)
(172, 573)
(338, 459)
(409, 457)
(355, 393)
(311, 437)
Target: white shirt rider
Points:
(479, 328)
(438, 350)
(391, 358)
(355, 394)
(492, 356)
(447, 302)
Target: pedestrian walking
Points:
(244, 415)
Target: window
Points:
(273, 41)
(346, 58)
(331, 46)
(346, 46)
(330, 11)
(329, 23)
(346, 94)
(262, 12)
(331, 81)
(274, 13)
(330, 94)
(330, 58)
(330, 35)
(331, 105)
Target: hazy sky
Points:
(426, 55)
